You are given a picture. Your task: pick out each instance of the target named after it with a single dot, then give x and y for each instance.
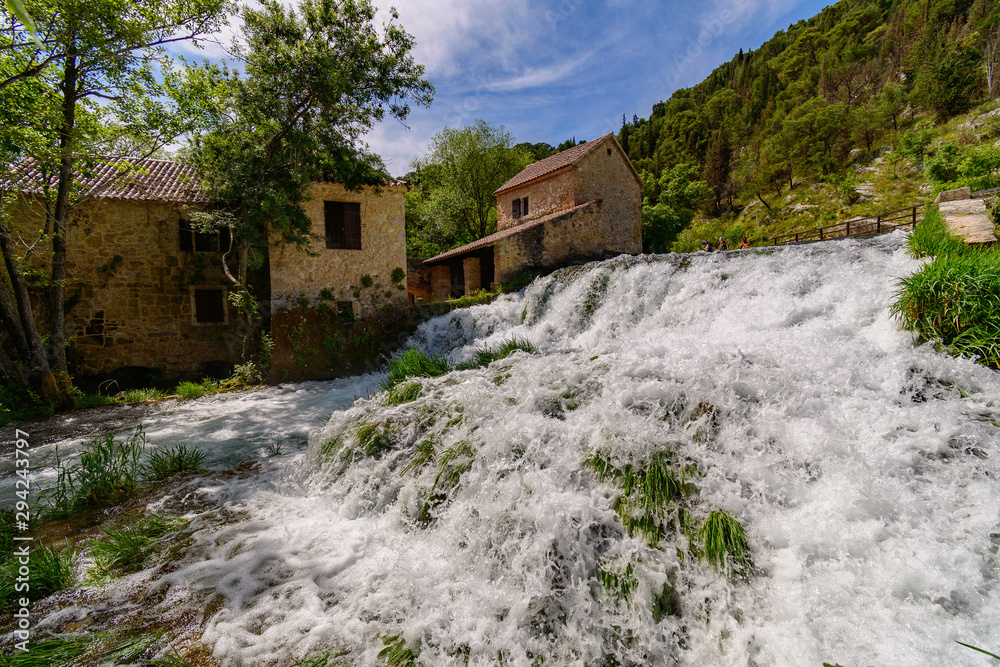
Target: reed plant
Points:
(955, 299)
(51, 571)
(166, 463)
(723, 543)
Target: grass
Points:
(57, 650)
(648, 494)
(396, 654)
(51, 571)
(954, 300)
(414, 363)
(722, 542)
(189, 390)
(403, 393)
(109, 472)
(125, 548)
(139, 395)
(169, 462)
(619, 582)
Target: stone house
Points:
(580, 205)
(145, 290)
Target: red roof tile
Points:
(551, 164)
(510, 231)
(141, 179)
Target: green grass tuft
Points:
(125, 548)
(396, 653)
(723, 543)
(57, 650)
(139, 395)
(51, 571)
(619, 582)
(189, 390)
(414, 363)
(955, 299)
(486, 356)
(169, 462)
(403, 393)
(106, 473)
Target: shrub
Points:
(166, 463)
(397, 274)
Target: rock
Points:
(954, 195)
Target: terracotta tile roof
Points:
(551, 164)
(510, 231)
(140, 179)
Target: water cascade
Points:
(560, 506)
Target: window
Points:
(524, 206)
(515, 208)
(209, 306)
(343, 225)
(197, 241)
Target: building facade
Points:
(580, 205)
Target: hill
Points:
(850, 103)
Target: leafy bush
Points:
(952, 167)
(17, 403)
(167, 463)
(397, 274)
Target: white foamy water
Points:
(863, 468)
(228, 428)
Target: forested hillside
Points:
(830, 91)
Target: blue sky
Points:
(548, 70)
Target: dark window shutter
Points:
(206, 241)
(515, 208)
(352, 226)
(186, 235)
(334, 213)
(524, 207)
(209, 306)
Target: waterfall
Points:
(502, 515)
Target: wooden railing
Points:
(868, 226)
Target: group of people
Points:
(724, 244)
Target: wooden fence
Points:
(869, 226)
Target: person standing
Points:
(723, 244)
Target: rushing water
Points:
(862, 466)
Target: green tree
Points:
(669, 205)
(462, 170)
(313, 81)
(95, 85)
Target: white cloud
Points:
(541, 76)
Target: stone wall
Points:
(131, 290)
(607, 176)
(362, 277)
(575, 237)
(545, 197)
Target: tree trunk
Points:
(39, 374)
(57, 295)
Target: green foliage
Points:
(952, 167)
(396, 653)
(453, 201)
(248, 374)
(367, 280)
(125, 548)
(974, 648)
(18, 403)
(931, 237)
(413, 363)
(139, 395)
(189, 390)
(649, 495)
(106, 474)
(955, 300)
(403, 393)
(669, 204)
(163, 464)
(397, 275)
(618, 581)
(373, 439)
(723, 544)
(313, 79)
(486, 356)
(51, 571)
(55, 650)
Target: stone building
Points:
(145, 290)
(358, 257)
(580, 205)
